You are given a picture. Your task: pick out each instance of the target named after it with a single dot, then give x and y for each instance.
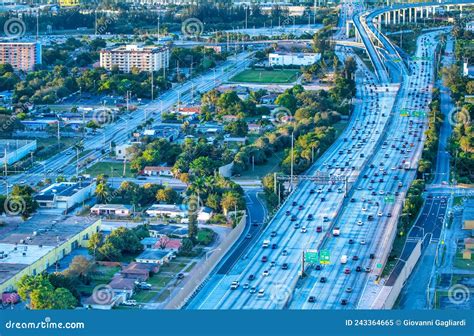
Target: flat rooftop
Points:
(45, 230)
(22, 244)
(468, 210)
(64, 189)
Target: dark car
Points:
(358, 269)
(284, 266)
(274, 246)
(311, 299)
(319, 229)
(251, 277)
(180, 276)
(355, 258)
(264, 259)
(344, 302)
(318, 267)
(293, 218)
(323, 279)
(351, 241)
(293, 203)
(310, 217)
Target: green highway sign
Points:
(379, 265)
(311, 257)
(404, 113)
(325, 257)
(389, 199)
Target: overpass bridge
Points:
(382, 52)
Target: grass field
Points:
(266, 76)
(109, 167)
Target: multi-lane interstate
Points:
(378, 155)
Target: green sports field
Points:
(266, 76)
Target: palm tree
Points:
(102, 192)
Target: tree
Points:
(79, 268)
(163, 242)
(95, 242)
(30, 283)
(102, 192)
(167, 195)
(229, 201)
(109, 252)
(287, 100)
(192, 225)
(186, 246)
(237, 128)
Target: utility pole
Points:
(124, 166)
(158, 33)
(152, 84)
(37, 24)
(59, 136)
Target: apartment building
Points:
(21, 55)
(147, 58)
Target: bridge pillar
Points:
(415, 12)
(409, 15)
(403, 17)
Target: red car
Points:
(347, 271)
(319, 229)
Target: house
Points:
(238, 140)
(229, 118)
(189, 111)
(205, 214)
(171, 245)
(122, 151)
(268, 99)
(468, 215)
(155, 256)
(103, 300)
(469, 243)
(467, 70)
(158, 171)
(167, 210)
(139, 271)
(112, 210)
(122, 286)
(65, 195)
(149, 242)
(470, 26)
(254, 128)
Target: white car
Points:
(266, 273)
(360, 223)
(362, 242)
(261, 293)
(303, 229)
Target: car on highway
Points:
(310, 217)
(344, 302)
(303, 229)
(319, 229)
(234, 285)
(248, 236)
(323, 280)
(347, 271)
(284, 253)
(251, 277)
(245, 285)
(253, 290)
(311, 299)
(273, 234)
(261, 292)
(284, 266)
(264, 259)
(349, 290)
(265, 273)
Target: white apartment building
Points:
(301, 59)
(146, 58)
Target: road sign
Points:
(389, 199)
(311, 257)
(324, 257)
(404, 113)
(379, 265)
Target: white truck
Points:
(407, 165)
(343, 259)
(336, 232)
(266, 243)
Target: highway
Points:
(377, 194)
(118, 131)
